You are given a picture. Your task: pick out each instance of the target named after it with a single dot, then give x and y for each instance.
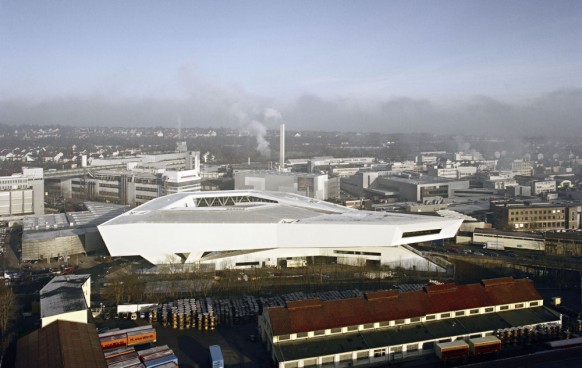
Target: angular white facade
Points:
(188, 226)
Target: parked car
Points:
(477, 253)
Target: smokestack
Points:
(282, 148)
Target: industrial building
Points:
(413, 187)
(264, 228)
(328, 162)
(538, 216)
(129, 181)
(63, 344)
(22, 194)
(66, 298)
(66, 234)
(317, 186)
(389, 325)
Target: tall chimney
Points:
(282, 148)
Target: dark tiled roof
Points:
(62, 344)
(313, 315)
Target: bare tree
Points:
(115, 289)
(7, 307)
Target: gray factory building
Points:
(317, 186)
(408, 187)
(66, 234)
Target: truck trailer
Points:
(452, 350)
(484, 345)
(494, 246)
(127, 337)
(216, 356)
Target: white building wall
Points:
(76, 316)
(396, 256)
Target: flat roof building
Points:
(66, 298)
(310, 185)
(196, 224)
(22, 194)
(534, 216)
(66, 234)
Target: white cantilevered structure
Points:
(250, 225)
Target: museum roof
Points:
(249, 206)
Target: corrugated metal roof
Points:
(433, 299)
(62, 344)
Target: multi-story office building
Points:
(134, 184)
(420, 188)
(22, 194)
(527, 216)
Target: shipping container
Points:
(113, 341)
(119, 351)
(216, 358)
(135, 363)
(141, 337)
(155, 349)
(161, 361)
(168, 365)
(452, 350)
(484, 345)
(112, 332)
(122, 358)
(156, 355)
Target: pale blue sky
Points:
(279, 51)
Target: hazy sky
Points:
(372, 64)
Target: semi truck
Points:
(216, 358)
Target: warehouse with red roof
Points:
(387, 325)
